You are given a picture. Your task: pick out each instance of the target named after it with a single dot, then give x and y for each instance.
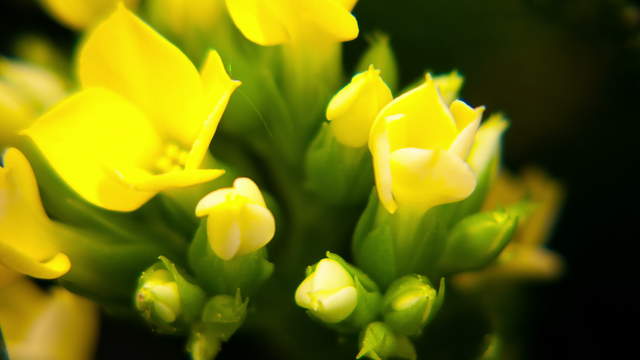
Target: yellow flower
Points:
(26, 91)
(419, 147)
(80, 14)
(55, 325)
(27, 238)
(143, 121)
(180, 17)
(353, 109)
(238, 220)
(273, 22)
(329, 292)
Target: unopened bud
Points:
(410, 303)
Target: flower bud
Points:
(378, 341)
(328, 293)
(238, 221)
(380, 55)
(221, 317)
(410, 303)
(166, 300)
(337, 293)
(477, 240)
(352, 110)
(219, 276)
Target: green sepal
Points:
(477, 240)
(373, 245)
(380, 55)
(151, 304)
(218, 276)
(224, 314)
(335, 173)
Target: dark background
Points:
(566, 72)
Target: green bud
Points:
(477, 240)
(410, 303)
(166, 300)
(224, 314)
(218, 276)
(379, 342)
(221, 317)
(380, 55)
(339, 294)
(336, 173)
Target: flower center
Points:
(173, 158)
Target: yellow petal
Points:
(258, 22)
(64, 328)
(27, 242)
(79, 14)
(449, 85)
(487, 142)
(224, 232)
(144, 181)
(302, 292)
(330, 275)
(257, 227)
(126, 56)
(87, 136)
(426, 178)
(467, 120)
(337, 306)
(426, 122)
(217, 87)
(332, 17)
(381, 154)
(247, 188)
(273, 22)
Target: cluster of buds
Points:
(112, 190)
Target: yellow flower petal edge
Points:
(419, 147)
(143, 122)
(273, 22)
(27, 243)
(80, 14)
(238, 220)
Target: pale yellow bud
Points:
(353, 109)
(329, 292)
(238, 220)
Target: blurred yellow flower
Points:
(26, 91)
(238, 221)
(525, 258)
(353, 109)
(273, 22)
(27, 238)
(143, 121)
(55, 325)
(419, 146)
(80, 14)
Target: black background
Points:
(566, 72)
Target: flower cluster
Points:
(116, 188)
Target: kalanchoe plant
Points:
(121, 192)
